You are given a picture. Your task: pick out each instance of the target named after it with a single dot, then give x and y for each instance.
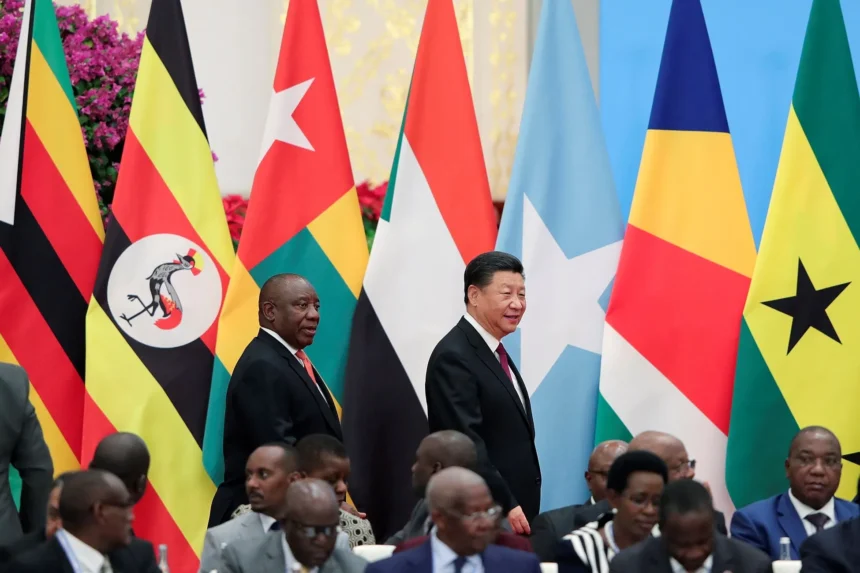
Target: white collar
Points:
(444, 555)
(277, 337)
(90, 560)
(803, 510)
(705, 568)
(491, 340)
(293, 565)
(266, 521)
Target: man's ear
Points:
(473, 292)
(437, 466)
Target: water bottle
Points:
(162, 559)
(784, 549)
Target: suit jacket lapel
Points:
(525, 392)
(722, 555)
(790, 522)
(490, 361)
(61, 555)
(658, 555)
(422, 559)
(274, 555)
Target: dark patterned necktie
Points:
(819, 520)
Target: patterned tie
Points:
(819, 520)
(503, 359)
(459, 563)
(307, 362)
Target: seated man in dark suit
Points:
(550, 526)
(465, 518)
(689, 541)
(836, 550)
(275, 393)
(34, 538)
(95, 509)
(814, 469)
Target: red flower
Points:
(235, 207)
(371, 199)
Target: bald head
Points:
(814, 433)
(279, 285)
(82, 490)
(310, 496)
(126, 456)
(451, 487)
(451, 448)
(668, 448)
(598, 466)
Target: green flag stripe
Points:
(609, 426)
(46, 34)
(385, 215)
(760, 430)
(827, 105)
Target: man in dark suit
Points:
(550, 526)
(95, 510)
(35, 538)
(814, 469)
(472, 386)
(688, 539)
(23, 447)
(466, 519)
(833, 551)
(275, 394)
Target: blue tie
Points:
(459, 562)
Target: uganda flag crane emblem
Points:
(152, 325)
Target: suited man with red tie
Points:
(472, 386)
(275, 394)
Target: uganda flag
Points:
(152, 325)
(799, 355)
(438, 215)
(672, 324)
(51, 233)
(303, 217)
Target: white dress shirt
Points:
(493, 343)
(705, 568)
(293, 351)
(803, 510)
(84, 558)
(293, 565)
(266, 521)
(444, 557)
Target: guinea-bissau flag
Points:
(799, 354)
(51, 233)
(673, 320)
(152, 325)
(438, 215)
(303, 217)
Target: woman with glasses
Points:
(633, 488)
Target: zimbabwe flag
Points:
(799, 358)
(50, 233)
(151, 327)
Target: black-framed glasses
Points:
(313, 531)
(690, 464)
(492, 514)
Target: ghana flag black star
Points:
(853, 458)
(808, 308)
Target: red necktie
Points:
(308, 367)
(503, 359)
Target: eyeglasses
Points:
(492, 514)
(312, 531)
(691, 464)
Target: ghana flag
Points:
(152, 325)
(799, 354)
(50, 233)
(303, 217)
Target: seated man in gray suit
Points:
(22, 446)
(689, 540)
(269, 471)
(307, 542)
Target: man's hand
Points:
(518, 521)
(352, 511)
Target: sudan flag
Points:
(799, 355)
(437, 216)
(51, 233)
(672, 323)
(152, 325)
(303, 217)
